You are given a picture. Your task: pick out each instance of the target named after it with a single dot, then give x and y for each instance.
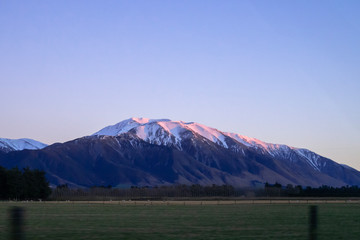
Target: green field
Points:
(192, 221)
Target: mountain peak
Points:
(8, 145)
(126, 125)
(142, 120)
(145, 126)
(152, 129)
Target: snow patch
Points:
(312, 158)
(209, 133)
(272, 149)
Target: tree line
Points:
(63, 192)
(105, 193)
(25, 184)
(273, 190)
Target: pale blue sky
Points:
(280, 71)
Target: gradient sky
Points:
(280, 71)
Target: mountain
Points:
(8, 145)
(140, 151)
(173, 133)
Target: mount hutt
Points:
(153, 152)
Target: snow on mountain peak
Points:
(209, 133)
(150, 129)
(140, 120)
(253, 142)
(165, 132)
(147, 120)
(20, 144)
(125, 126)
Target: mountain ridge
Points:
(153, 152)
(141, 127)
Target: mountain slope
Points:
(8, 145)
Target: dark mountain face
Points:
(98, 161)
(128, 160)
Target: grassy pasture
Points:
(174, 220)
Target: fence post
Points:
(313, 223)
(16, 223)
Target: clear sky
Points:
(280, 71)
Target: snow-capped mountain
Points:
(163, 131)
(167, 132)
(8, 145)
(173, 133)
(152, 152)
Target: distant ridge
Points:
(8, 145)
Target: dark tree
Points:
(23, 185)
(15, 184)
(3, 183)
